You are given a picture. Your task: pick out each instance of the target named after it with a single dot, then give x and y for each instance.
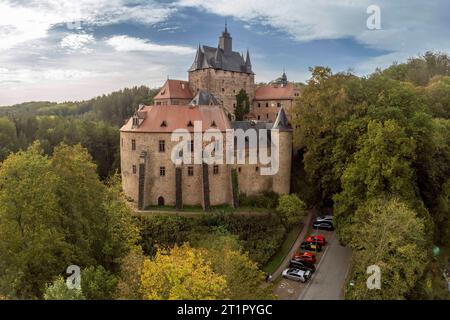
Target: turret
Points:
(226, 42)
(248, 64)
(281, 181)
(218, 58)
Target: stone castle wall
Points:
(165, 186)
(267, 110)
(224, 85)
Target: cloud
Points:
(126, 43)
(77, 42)
(408, 27)
(23, 21)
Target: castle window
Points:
(259, 105)
(267, 115)
(279, 105)
(190, 171)
(134, 169)
(162, 171)
(133, 145)
(259, 117)
(191, 145)
(257, 169)
(223, 89)
(234, 91)
(164, 124)
(239, 169)
(216, 169)
(162, 146)
(267, 104)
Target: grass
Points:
(278, 258)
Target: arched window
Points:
(160, 201)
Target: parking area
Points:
(326, 283)
(287, 289)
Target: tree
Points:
(8, 138)
(55, 212)
(381, 166)
(389, 234)
(290, 209)
(243, 276)
(242, 105)
(130, 286)
(58, 290)
(98, 283)
(32, 241)
(181, 273)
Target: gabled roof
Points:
(208, 57)
(276, 92)
(204, 98)
(281, 122)
(166, 119)
(174, 89)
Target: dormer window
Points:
(164, 124)
(190, 124)
(163, 92)
(213, 124)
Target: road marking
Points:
(311, 281)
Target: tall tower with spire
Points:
(226, 41)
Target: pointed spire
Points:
(226, 26)
(247, 59)
(283, 79)
(218, 58)
(282, 122)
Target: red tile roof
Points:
(175, 89)
(275, 92)
(178, 117)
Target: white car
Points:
(324, 218)
(297, 274)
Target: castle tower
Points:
(281, 180)
(225, 41)
(222, 72)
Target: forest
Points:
(376, 149)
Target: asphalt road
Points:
(328, 281)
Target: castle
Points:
(149, 175)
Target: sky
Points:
(65, 50)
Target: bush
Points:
(260, 235)
(267, 199)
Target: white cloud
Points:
(126, 43)
(77, 42)
(408, 27)
(23, 21)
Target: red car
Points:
(305, 256)
(317, 240)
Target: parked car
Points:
(316, 240)
(302, 265)
(311, 247)
(324, 218)
(305, 256)
(297, 274)
(323, 225)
